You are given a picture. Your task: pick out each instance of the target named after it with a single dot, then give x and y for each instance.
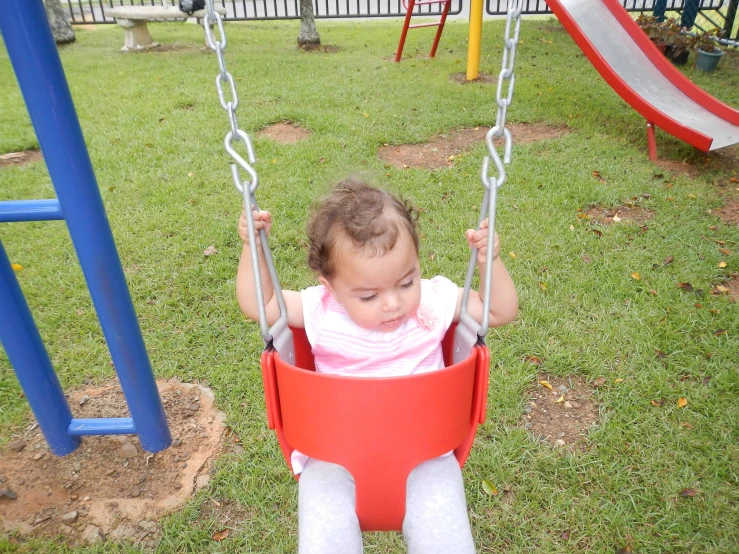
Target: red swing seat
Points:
(378, 429)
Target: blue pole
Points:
(40, 75)
(27, 354)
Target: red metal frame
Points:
(409, 6)
(653, 115)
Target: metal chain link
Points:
(499, 130)
(279, 336)
(212, 17)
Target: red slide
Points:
(643, 77)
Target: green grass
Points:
(154, 129)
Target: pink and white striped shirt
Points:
(340, 347)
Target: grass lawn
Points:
(592, 305)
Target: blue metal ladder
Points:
(39, 71)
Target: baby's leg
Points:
(327, 518)
(436, 518)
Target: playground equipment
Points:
(409, 6)
(405, 419)
(644, 78)
(39, 71)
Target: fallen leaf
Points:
(713, 228)
(635, 276)
(722, 264)
(489, 488)
(210, 251)
(220, 535)
(686, 424)
(725, 251)
(659, 354)
(698, 305)
(599, 382)
(542, 285)
(533, 360)
(691, 196)
(586, 259)
(669, 260)
(618, 380)
(560, 399)
(687, 493)
(597, 232)
(687, 287)
(682, 402)
(652, 292)
(720, 242)
(658, 403)
(706, 380)
(623, 550)
(583, 216)
(565, 535)
(721, 289)
(545, 384)
(512, 255)
(719, 332)
(734, 180)
(616, 218)
(16, 267)
(598, 176)
(366, 115)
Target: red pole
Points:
(406, 23)
(651, 141)
(440, 29)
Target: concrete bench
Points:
(134, 21)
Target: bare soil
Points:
(484, 78)
(618, 214)
(21, 158)
(562, 416)
(109, 489)
(285, 132)
(725, 159)
(320, 48)
(729, 212)
(732, 284)
(441, 152)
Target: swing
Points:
(379, 429)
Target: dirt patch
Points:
(461, 78)
(560, 416)
(607, 216)
(728, 213)
(285, 132)
(167, 48)
(732, 286)
(21, 158)
(109, 489)
(320, 48)
(441, 152)
(725, 159)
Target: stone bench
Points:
(134, 21)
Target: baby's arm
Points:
(245, 291)
(503, 297)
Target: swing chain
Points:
(218, 45)
(499, 130)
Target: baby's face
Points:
(379, 293)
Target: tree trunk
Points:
(308, 36)
(61, 28)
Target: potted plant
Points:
(707, 55)
(680, 43)
(657, 31)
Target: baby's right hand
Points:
(262, 220)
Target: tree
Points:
(61, 28)
(308, 36)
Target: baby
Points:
(372, 316)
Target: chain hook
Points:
(242, 163)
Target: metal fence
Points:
(712, 13)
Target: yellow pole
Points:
(475, 38)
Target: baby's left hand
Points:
(479, 239)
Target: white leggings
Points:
(435, 521)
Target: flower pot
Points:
(681, 58)
(661, 45)
(707, 61)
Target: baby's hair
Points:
(370, 217)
